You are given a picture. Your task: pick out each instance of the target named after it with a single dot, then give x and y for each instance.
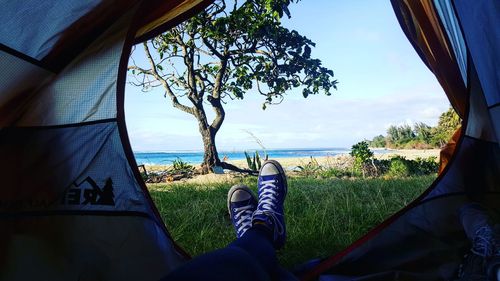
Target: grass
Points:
(323, 215)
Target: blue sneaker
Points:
(483, 261)
(241, 204)
(493, 267)
(272, 192)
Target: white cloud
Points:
(318, 121)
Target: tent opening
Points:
(331, 203)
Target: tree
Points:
(378, 141)
(448, 123)
(423, 132)
(222, 53)
(398, 135)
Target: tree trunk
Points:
(210, 156)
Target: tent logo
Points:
(88, 192)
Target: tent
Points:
(73, 205)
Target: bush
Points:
(254, 162)
(362, 155)
(402, 167)
(180, 166)
(179, 170)
(399, 167)
(426, 166)
(361, 152)
(312, 168)
(378, 167)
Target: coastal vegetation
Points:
(220, 55)
(179, 169)
(395, 167)
(420, 135)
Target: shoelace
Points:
(243, 218)
(483, 242)
(267, 201)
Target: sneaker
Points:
(493, 267)
(482, 262)
(272, 191)
(241, 204)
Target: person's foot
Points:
(272, 192)
(241, 204)
(493, 267)
(483, 260)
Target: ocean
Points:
(196, 157)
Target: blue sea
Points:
(196, 157)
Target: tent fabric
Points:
(161, 18)
(52, 19)
(480, 22)
(421, 24)
(73, 205)
(99, 65)
(452, 27)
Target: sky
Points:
(381, 82)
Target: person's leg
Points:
(269, 218)
(268, 231)
(244, 259)
(257, 242)
(260, 230)
(227, 264)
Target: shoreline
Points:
(334, 160)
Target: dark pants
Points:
(251, 257)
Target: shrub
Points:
(376, 167)
(426, 166)
(180, 166)
(402, 167)
(399, 167)
(312, 168)
(254, 162)
(361, 152)
(362, 155)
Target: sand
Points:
(338, 159)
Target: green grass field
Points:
(323, 215)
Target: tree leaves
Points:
(234, 47)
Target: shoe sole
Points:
(233, 189)
(282, 172)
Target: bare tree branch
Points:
(168, 90)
